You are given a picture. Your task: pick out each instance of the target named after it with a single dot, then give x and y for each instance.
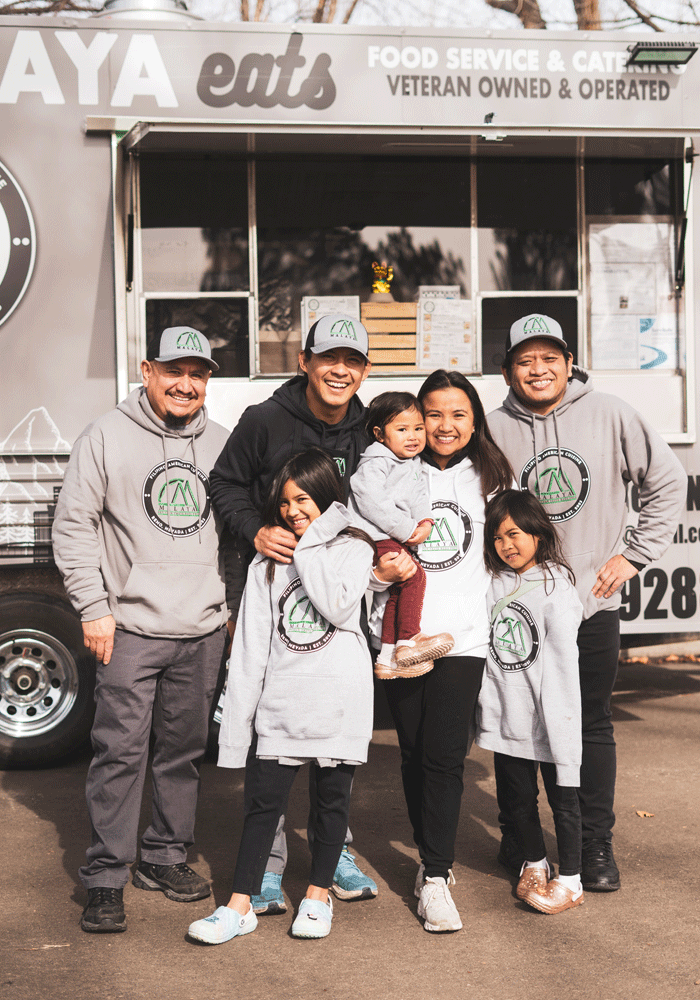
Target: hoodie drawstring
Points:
(167, 497)
(196, 491)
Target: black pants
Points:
(267, 787)
(599, 651)
(434, 715)
(519, 779)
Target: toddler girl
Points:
(530, 702)
(389, 494)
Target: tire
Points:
(47, 681)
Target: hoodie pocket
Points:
(165, 599)
(518, 713)
(583, 565)
(301, 707)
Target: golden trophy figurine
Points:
(381, 286)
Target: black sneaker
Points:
(599, 873)
(178, 882)
(104, 911)
(510, 855)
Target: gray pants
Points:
(166, 685)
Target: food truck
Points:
(242, 179)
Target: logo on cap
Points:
(189, 341)
(536, 324)
(343, 328)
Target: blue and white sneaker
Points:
(270, 900)
(313, 919)
(223, 925)
(349, 882)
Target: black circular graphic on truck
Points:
(561, 481)
(300, 626)
(514, 643)
(175, 504)
(449, 539)
(17, 243)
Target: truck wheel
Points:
(47, 680)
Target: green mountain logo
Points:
(344, 328)
(554, 486)
(189, 341)
(303, 617)
(511, 640)
(537, 325)
(441, 538)
(177, 499)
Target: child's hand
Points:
(276, 543)
(420, 533)
(395, 567)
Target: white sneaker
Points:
(436, 907)
(420, 879)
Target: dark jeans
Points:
(519, 779)
(434, 716)
(267, 787)
(599, 650)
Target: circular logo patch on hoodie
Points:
(300, 626)
(514, 643)
(178, 503)
(561, 481)
(449, 539)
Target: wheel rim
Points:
(38, 683)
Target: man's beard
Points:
(175, 422)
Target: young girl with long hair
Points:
(299, 689)
(530, 702)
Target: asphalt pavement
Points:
(641, 943)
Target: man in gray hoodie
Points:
(137, 542)
(577, 450)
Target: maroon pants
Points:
(405, 605)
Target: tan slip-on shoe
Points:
(554, 898)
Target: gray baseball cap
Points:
(181, 342)
(535, 327)
(336, 330)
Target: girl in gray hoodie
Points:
(299, 688)
(529, 707)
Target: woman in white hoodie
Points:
(434, 713)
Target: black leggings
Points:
(434, 717)
(267, 787)
(518, 778)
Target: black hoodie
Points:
(264, 438)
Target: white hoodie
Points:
(530, 699)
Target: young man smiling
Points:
(318, 408)
(577, 450)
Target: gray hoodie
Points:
(530, 699)
(300, 673)
(135, 535)
(578, 461)
(389, 495)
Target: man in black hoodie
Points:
(318, 408)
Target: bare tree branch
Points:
(527, 10)
(642, 16)
(259, 10)
(349, 12)
(319, 12)
(587, 15)
(245, 10)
